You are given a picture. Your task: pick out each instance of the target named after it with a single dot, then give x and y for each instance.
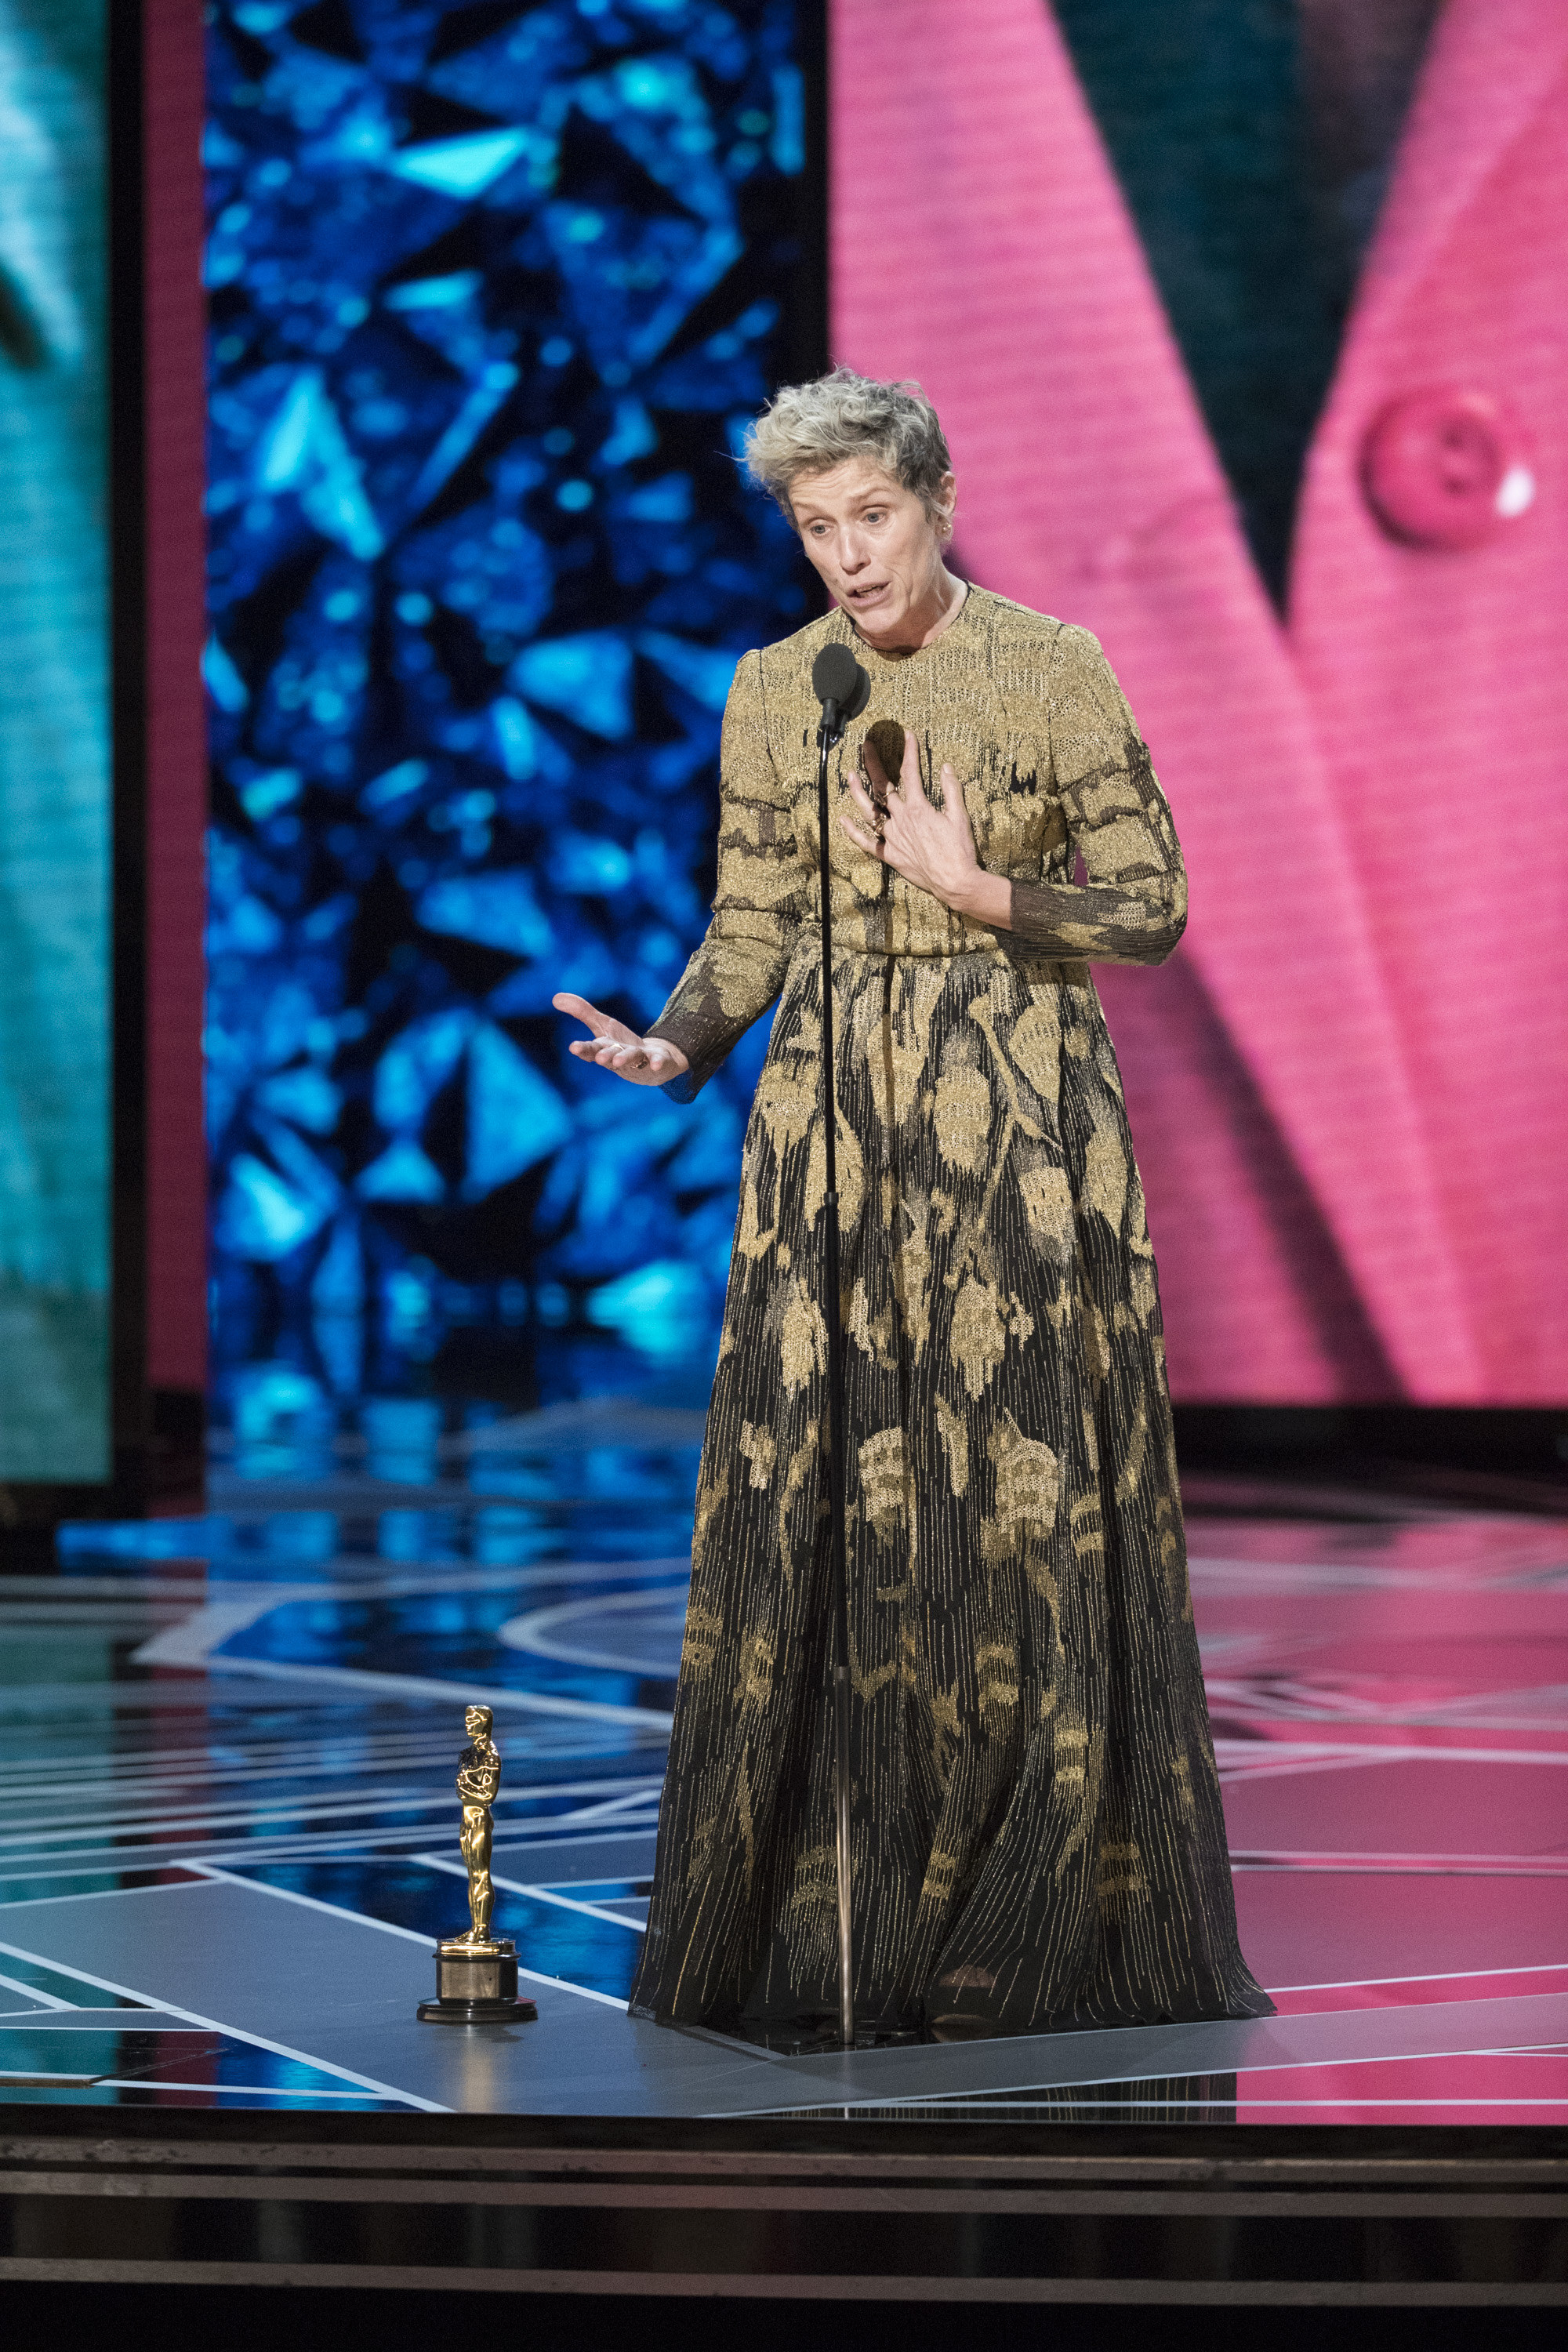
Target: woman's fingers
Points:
(649, 1062)
(868, 834)
(612, 1043)
(577, 1006)
(952, 801)
(933, 849)
(871, 843)
(862, 798)
(602, 1025)
(645, 1061)
(871, 760)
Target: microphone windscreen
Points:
(836, 675)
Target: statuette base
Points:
(475, 1984)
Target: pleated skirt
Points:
(1037, 1840)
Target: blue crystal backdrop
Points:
(493, 291)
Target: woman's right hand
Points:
(641, 1061)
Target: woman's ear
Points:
(946, 505)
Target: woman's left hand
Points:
(932, 849)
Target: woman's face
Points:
(873, 543)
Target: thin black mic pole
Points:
(836, 1484)
(843, 688)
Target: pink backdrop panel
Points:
(1350, 1088)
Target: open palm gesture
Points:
(641, 1061)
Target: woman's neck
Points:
(936, 612)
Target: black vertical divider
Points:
(810, 327)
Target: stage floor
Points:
(228, 1834)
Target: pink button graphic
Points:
(1446, 469)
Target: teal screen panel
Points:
(55, 791)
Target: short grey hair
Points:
(808, 428)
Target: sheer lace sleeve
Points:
(1133, 907)
(740, 968)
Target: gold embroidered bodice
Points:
(1030, 716)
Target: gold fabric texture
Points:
(1037, 1834)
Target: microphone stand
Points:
(829, 730)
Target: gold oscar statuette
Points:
(476, 1974)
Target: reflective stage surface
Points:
(228, 1836)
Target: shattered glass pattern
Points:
(493, 291)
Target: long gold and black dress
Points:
(1037, 1834)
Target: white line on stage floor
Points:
(215, 2025)
(360, 1679)
(540, 1893)
(366, 1919)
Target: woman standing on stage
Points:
(1036, 1831)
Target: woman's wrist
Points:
(986, 899)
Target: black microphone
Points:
(842, 688)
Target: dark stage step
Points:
(830, 2211)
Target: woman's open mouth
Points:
(859, 597)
